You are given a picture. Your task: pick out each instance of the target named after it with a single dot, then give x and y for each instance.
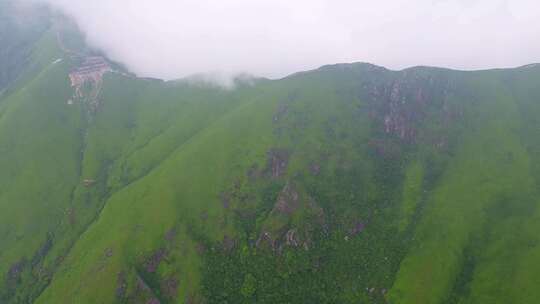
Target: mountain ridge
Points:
(346, 183)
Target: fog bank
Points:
(272, 38)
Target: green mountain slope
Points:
(350, 183)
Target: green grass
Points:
(450, 216)
(412, 195)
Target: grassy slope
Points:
(487, 188)
(455, 226)
(201, 168)
(145, 210)
(40, 147)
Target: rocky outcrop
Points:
(401, 106)
(291, 238)
(152, 263)
(169, 287)
(315, 169)
(278, 160)
(91, 69)
(357, 228)
(87, 80)
(43, 250)
(228, 243)
(15, 271)
(281, 111)
(291, 221)
(288, 200)
(122, 285)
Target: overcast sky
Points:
(175, 38)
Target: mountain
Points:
(351, 183)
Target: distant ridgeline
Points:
(347, 184)
(21, 26)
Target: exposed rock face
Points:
(91, 69)
(153, 262)
(402, 112)
(225, 198)
(402, 105)
(201, 248)
(142, 293)
(253, 173)
(288, 200)
(137, 290)
(72, 216)
(266, 238)
(89, 75)
(228, 243)
(121, 283)
(282, 110)
(278, 159)
(386, 148)
(286, 203)
(287, 233)
(88, 182)
(169, 287)
(15, 271)
(108, 252)
(358, 227)
(315, 169)
(291, 238)
(170, 235)
(43, 250)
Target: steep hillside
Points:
(347, 184)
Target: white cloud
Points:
(175, 38)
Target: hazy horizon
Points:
(173, 39)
